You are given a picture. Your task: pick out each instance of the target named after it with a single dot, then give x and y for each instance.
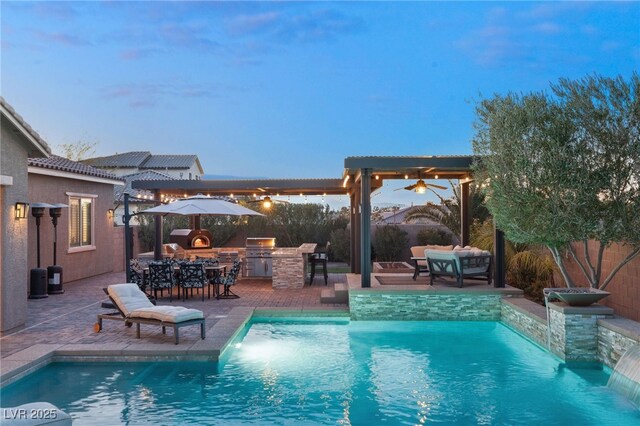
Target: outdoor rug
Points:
(396, 280)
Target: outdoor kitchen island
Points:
(290, 265)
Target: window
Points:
(81, 222)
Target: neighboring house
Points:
(87, 244)
(139, 199)
(177, 166)
(397, 216)
(18, 141)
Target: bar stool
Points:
(320, 258)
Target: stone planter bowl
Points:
(575, 296)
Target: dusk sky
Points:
(288, 90)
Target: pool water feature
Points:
(359, 373)
(625, 378)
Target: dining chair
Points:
(136, 274)
(230, 280)
(192, 275)
(161, 276)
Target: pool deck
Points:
(60, 327)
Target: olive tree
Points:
(563, 168)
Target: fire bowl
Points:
(575, 296)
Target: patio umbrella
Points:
(202, 205)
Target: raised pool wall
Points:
(577, 334)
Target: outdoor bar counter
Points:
(290, 265)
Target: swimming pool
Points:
(360, 373)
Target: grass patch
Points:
(338, 269)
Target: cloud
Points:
(527, 37)
(187, 35)
(377, 99)
(145, 95)
(57, 10)
(610, 46)
(311, 26)
(318, 26)
(61, 38)
(547, 28)
(491, 45)
(549, 10)
(137, 53)
(251, 24)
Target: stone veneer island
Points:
(290, 265)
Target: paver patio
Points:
(69, 318)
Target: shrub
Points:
(389, 243)
(340, 245)
(530, 272)
(434, 236)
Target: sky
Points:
(289, 89)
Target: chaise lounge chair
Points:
(134, 307)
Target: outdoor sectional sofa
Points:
(460, 263)
(419, 261)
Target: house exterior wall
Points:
(13, 233)
(625, 286)
(76, 265)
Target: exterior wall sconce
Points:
(110, 213)
(21, 210)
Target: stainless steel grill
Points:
(259, 261)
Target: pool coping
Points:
(219, 336)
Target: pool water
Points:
(358, 373)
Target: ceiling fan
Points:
(421, 187)
(266, 201)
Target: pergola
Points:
(361, 177)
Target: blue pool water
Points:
(358, 373)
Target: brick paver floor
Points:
(69, 317)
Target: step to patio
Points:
(338, 294)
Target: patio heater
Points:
(38, 282)
(54, 273)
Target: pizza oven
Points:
(190, 239)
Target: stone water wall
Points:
(615, 336)
(525, 317)
(574, 331)
(423, 305)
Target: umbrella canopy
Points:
(202, 205)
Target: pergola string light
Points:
(362, 176)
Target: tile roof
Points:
(169, 162)
(9, 109)
(143, 160)
(126, 159)
(144, 175)
(65, 165)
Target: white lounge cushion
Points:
(135, 304)
(128, 297)
(172, 314)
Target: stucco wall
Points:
(76, 265)
(13, 233)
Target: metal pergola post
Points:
(465, 213)
(499, 269)
(127, 237)
(365, 228)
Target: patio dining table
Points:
(214, 273)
